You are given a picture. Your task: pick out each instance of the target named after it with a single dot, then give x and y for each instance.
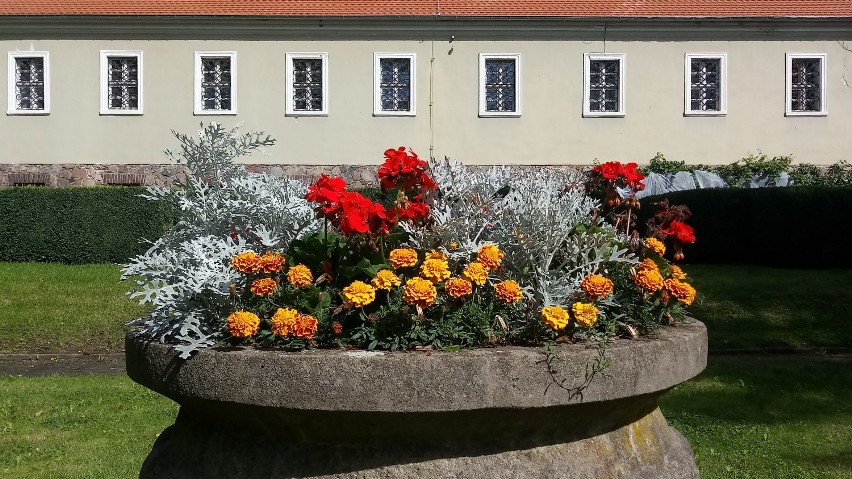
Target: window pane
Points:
(705, 84)
(805, 85)
(307, 84)
(604, 85)
(29, 83)
(395, 84)
(215, 83)
(123, 83)
(500, 87)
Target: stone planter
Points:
(492, 413)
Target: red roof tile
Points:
(450, 8)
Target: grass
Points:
(780, 417)
(55, 307)
(98, 427)
(751, 306)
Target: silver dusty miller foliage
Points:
(222, 210)
(541, 219)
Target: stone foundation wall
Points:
(62, 175)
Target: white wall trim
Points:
(723, 84)
(622, 98)
(483, 112)
(199, 55)
(788, 84)
(290, 106)
(12, 80)
(105, 55)
(377, 76)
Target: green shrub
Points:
(785, 227)
(79, 225)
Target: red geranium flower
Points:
(681, 231)
(327, 191)
(632, 177)
(404, 171)
(414, 211)
(609, 170)
(355, 213)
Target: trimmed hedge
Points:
(805, 227)
(80, 224)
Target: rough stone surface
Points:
(497, 413)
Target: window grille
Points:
(123, 83)
(29, 83)
(395, 84)
(805, 87)
(604, 78)
(500, 84)
(215, 83)
(307, 84)
(705, 84)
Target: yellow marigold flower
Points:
(264, 286)
(435, 270)
(359, 294)
(649, 280)
(490, 256)
(647, 263)
(656, 246)
(242, 324)
(306, 326)
(284, 321)
(554, 317)
(453, 245)
(247, 262)
(508, 291)
(271, 263)
(586, 314)
(458, 287)
(435, 254)
(402, 257)
(420, 292)
(596, 286)
(684, 292)
(386, 279)
(300, 276)
(676, 273)
(476, 273)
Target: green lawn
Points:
(750, 306)
(55, 307)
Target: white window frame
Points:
(622, 98)
(788, 83)
(105, 56)
(290, 104)
(199, 110)
(723, 84)
(12, 80)
(377, 78)
(483, 113)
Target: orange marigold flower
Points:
(402, 257)
(359, 294)
(271, 263)
(490, 256)
(676, 273)
(647, 263)
(508, 291)
(242, 324)
(420, 292)
(386, 279)
(305, 327)
(247, 262)
(586, 314)
(435, 270)
(300, 276)
(435, 254)
(596, 286)
(264, 286)
(458, 287)
(656, 246)
(476, 272)
(684, 292)
(554, 317)
(284, 321)
(649, 280)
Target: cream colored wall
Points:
(550, 130)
